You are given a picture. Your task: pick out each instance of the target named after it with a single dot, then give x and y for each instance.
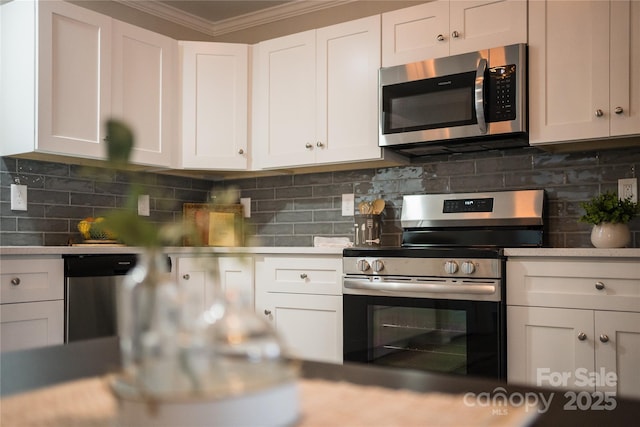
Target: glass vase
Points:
(149, 314)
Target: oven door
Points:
(436, 335)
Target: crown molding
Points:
(242, 22)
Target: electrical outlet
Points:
(628, 188)
(18, 197)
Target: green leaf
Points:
(119, 143)
(607, 207)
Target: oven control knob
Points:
(363, 265)
(450, 267)
(468, 267)
(377, 265)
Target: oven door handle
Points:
(479, 289)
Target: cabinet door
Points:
(30, 325)
(143, 90)
(476, 25)
(618, 350)
(545, 342)
(74, 93)
(286, 105)
(348, 58)
(309, 325)
(415, 33)
(198, 277)
(625, 67)
(236, 278)
(568, 70)
(214, 105)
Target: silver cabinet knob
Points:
(440, 37)
(319, 144)
(599, 286)
(619, 110)
(15, 281)
(599, 113)
(186, 276)
(241, 151)
(604, 338)
(267, 312)
(582, 336)
(455, 34)
(308, 146)
(303, 275)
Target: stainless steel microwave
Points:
(469, 102)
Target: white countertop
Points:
(573, 252)
(106, 249)
(510, 252)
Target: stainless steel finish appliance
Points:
(438, 302)
(470, 102)
(91, 283)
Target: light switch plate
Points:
(18, 197)
(246, 206)
(143, 205)
(348, 204)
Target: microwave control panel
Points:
(502, 93)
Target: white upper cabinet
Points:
(584, 70)
(442, 28)
(55, 79)
(214, 106)
(316, 96)
(66, 70)
(143, 90)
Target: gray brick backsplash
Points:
(291, 209)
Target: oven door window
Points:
(458, 337)
(429, 104)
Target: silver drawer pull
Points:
(15, 281)
(267, 312)
(599, 286)
(604, 338)
(303, 275)
(582, 336)
(186, 276)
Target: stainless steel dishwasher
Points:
(90, 294)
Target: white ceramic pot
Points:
(609, 235)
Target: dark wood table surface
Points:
(29, 369)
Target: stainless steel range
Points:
(438, 302)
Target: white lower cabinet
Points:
(574, 324)
(310, 325)
(197, 275)
(302, 297)
(31, 302)
(31, 324)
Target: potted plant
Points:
(609, 216)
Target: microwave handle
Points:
(479, 95)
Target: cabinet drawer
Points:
(27, 279)
(302, 275)
(592, 284)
